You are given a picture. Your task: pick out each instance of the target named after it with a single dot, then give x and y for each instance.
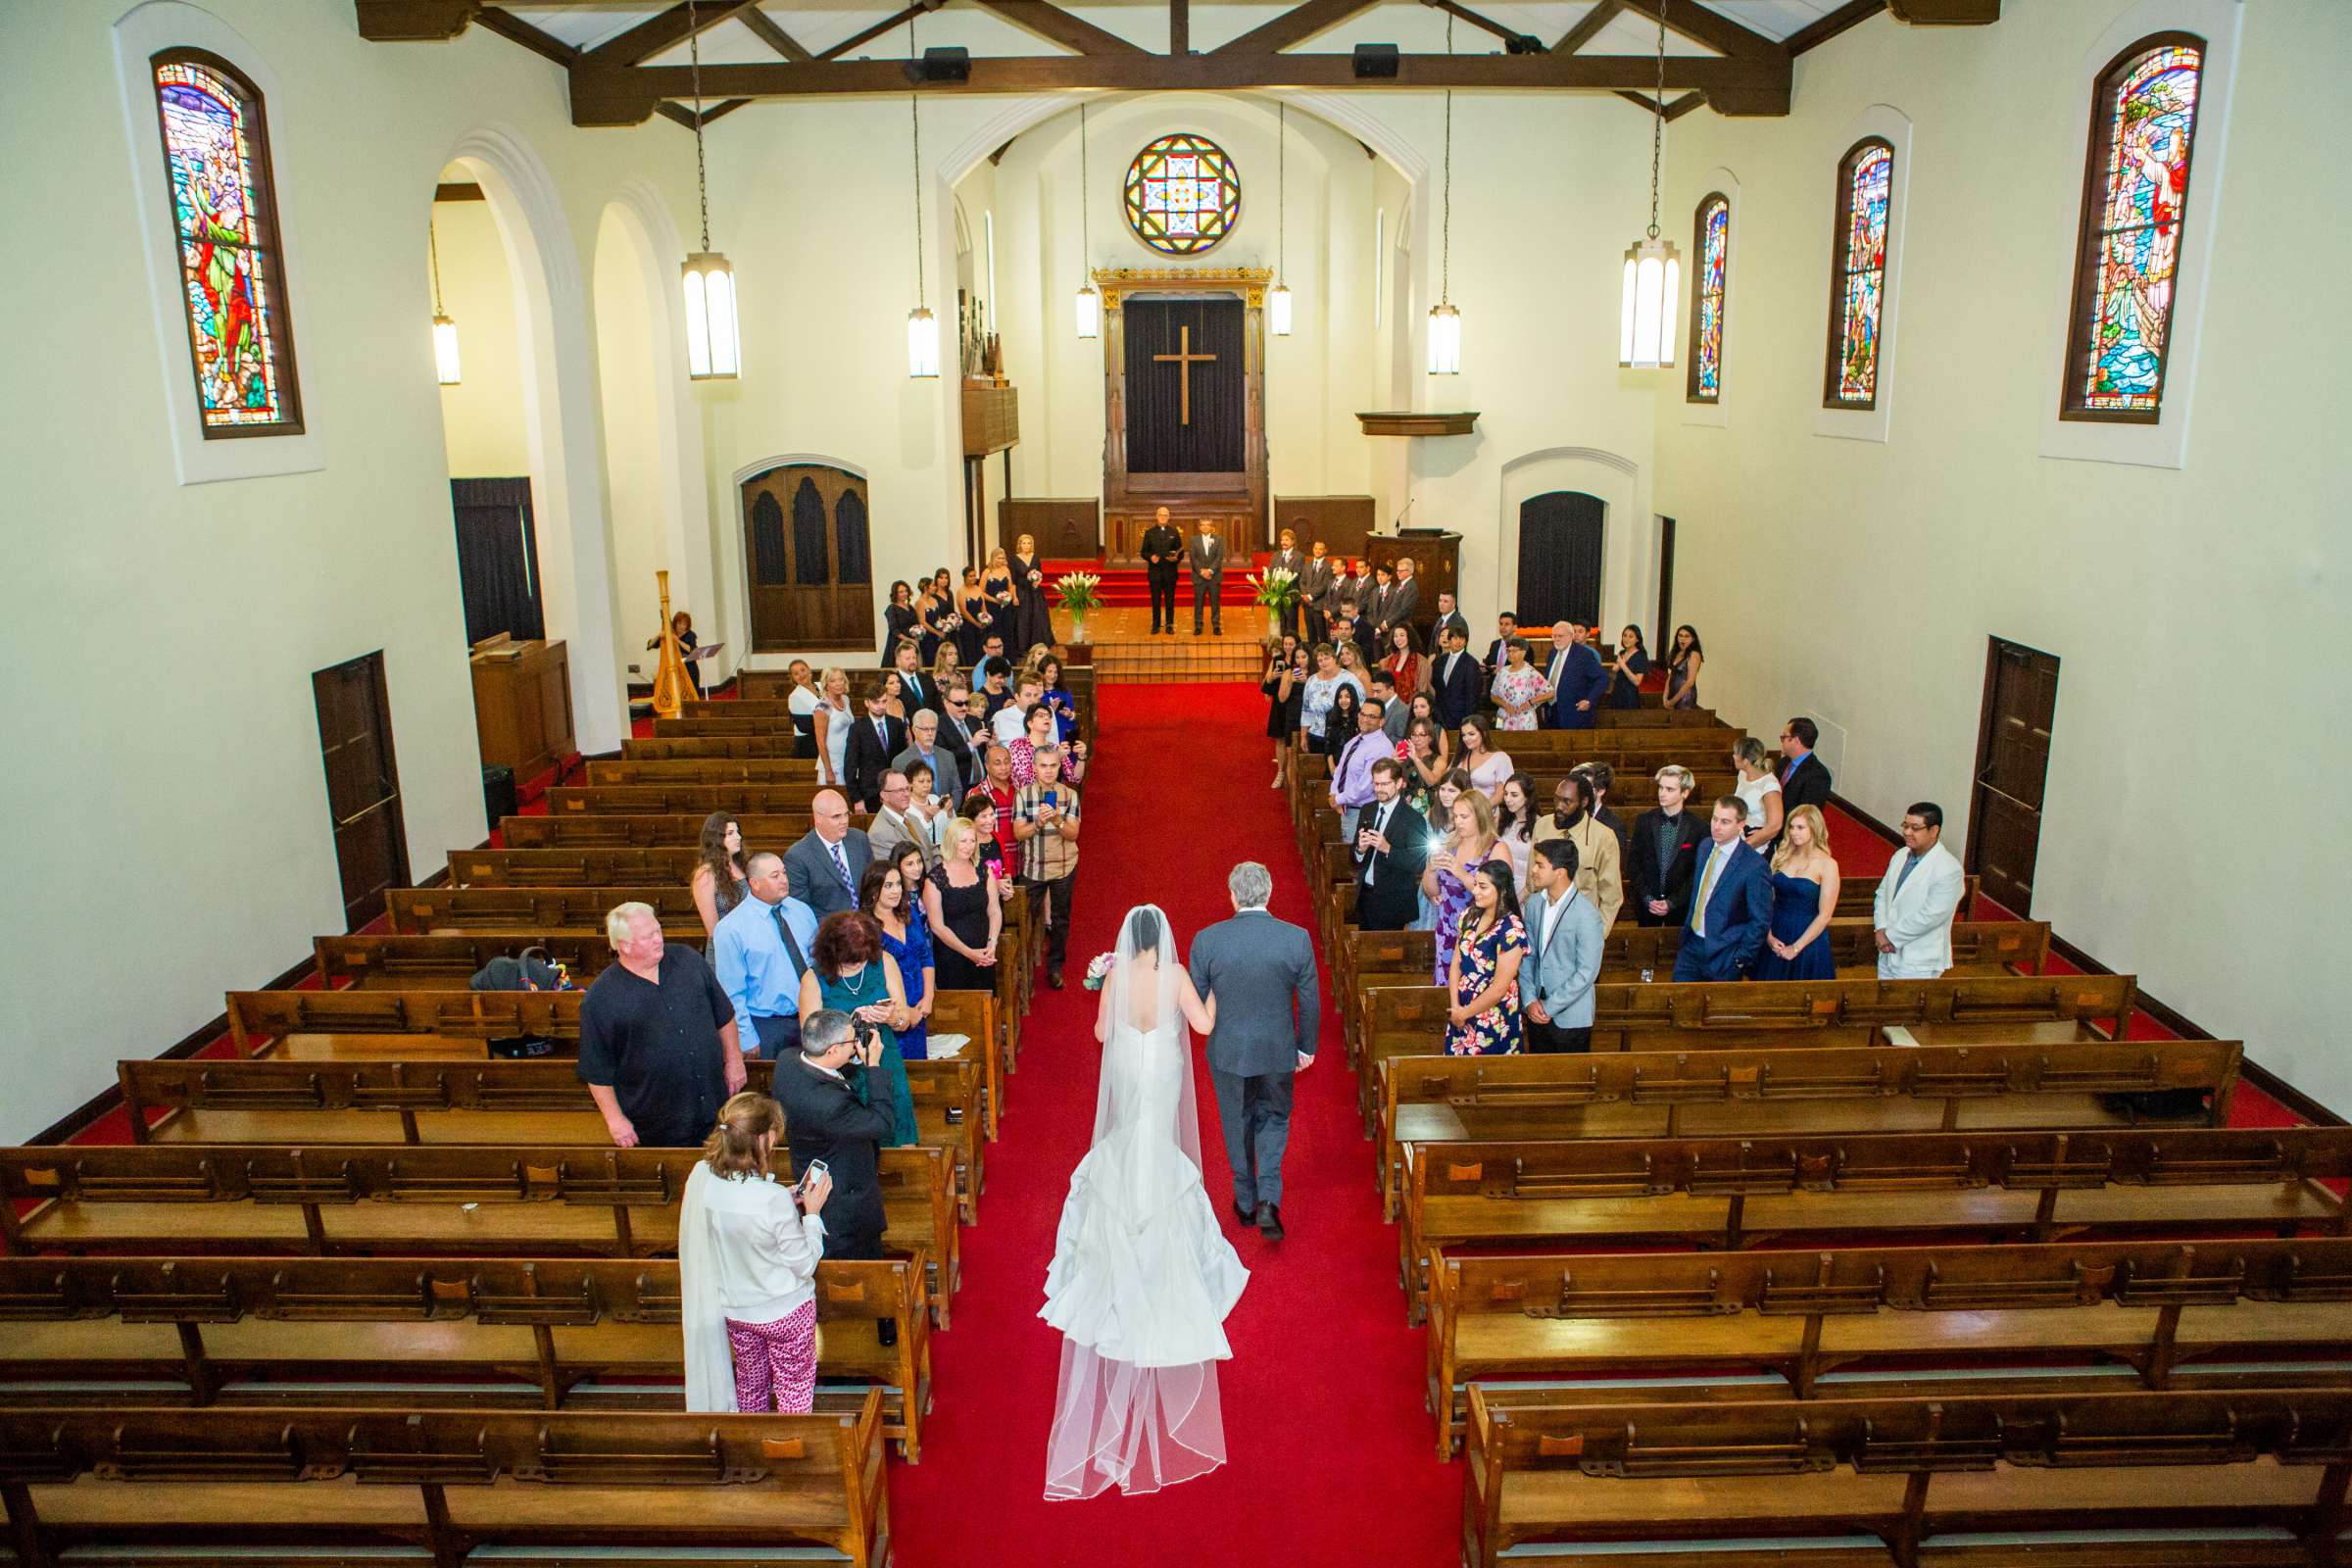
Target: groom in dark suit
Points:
(1256, 967)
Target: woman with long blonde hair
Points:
(1804, 896)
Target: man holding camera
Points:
(1391, 842)
(824, 1121)
(1045, 825)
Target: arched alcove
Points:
(1629, 561)
(559, 419)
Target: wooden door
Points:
(1559, 558)
(2013, 757)
(1663, 642)
(363, 784)
(806, 550)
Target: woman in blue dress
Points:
(907, 938)
(1804, 895)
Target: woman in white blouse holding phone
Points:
(748, 1251)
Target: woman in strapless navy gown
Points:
(1804, 895)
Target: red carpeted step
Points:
(1127, 587)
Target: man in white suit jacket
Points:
(1917, 899)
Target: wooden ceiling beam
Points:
(512, 28)
(764, 28)
(1485, 23)
(1712, 28)
(1295, 26)
(414, 21)
(1946, 13)
(665, 30)
(1676, 108)
(1588, 26)
(1057, 25)
(1821, 31)
(889, 23)
(1180, 27)
(610, 95)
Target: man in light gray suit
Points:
(1205, 558)
(1255, 967)
(1564, 931)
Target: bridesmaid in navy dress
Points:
(1804, 895)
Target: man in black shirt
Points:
(657, 1045)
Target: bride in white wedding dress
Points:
(1142, 1277)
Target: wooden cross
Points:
(1184, 359)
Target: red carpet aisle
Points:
(1331, 1456)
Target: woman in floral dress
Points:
(1519, 687)
(1483, 1020)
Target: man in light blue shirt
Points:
(1351, 774)
(760, 950)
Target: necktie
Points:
(914, 691)
(1904, 875)
(1380, 826)
(792, 948)
(882, 734)
(1706, 885)
(841, 867)
(1789, 767)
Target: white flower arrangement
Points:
(1276, 588)
(1077, 591)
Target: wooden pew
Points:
(541, 1102)
(441, 1199)
(416, 910)
(1410, 1020)
(1732, 1191)
(2247, 1478)
(773, 830)
(766, 771)
(545, 1332)
(693, 799)
(582, 866)
(1428, 1102)
(2176, 1314)
(1990, 947)
(127, 1483)
(447, 960)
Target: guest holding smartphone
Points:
(748, 1251)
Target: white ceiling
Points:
(817, 25)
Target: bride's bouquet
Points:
(1099, 971)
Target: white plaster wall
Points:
(481, 416)
(161, 741)
(634, 498)
(2201, 613)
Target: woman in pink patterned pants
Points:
(748, 1251)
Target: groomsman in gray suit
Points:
(1261, 973)
(1205, 558)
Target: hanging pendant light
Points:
(1278, 300)
(445, 330)
(1089, 303)
(1653, 271)
(714, 343)
(1444, 321)
(922, 328)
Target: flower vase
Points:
(1078, 628)
(1273, 624)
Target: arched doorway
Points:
(1559, 558)
(807, 552)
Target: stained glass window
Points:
(2143, 120)
(1711, 245)
(225, 231)
(1859, 275)
(1183, 194)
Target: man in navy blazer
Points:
(1578, 682)
(1457, 680)
(1731, 906)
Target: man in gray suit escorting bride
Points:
(1261, 973)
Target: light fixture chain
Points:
(1085, 207)
(702, 176)
(914, 108)
(433, 239)
(1282, 190)
(1445, 233)
(1657, 122)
